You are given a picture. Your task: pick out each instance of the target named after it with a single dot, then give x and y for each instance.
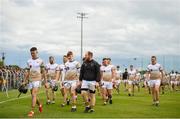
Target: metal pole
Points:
(164, 62)
(82, 16)
(142, 63)
(81, 39)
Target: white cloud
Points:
(125, 28)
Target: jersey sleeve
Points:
(113, 67)
(148, 68)
(101, 68)
(28, 65)
(42, 65)
(160, 67)
(60, 67)
(57, 68)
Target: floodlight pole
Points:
(82, 16)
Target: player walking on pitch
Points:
(34, 77)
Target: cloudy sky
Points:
(115, 28)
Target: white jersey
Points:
(107, 72)
(132, 72)
(72, 69)
(155, 71)
(35, 68)
(118, 74)
(154, 68)
(173, 76)
(51, 70)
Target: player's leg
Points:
(73, 96)
(65, 94)
(118, 87)
(92, 101)
(104, 95)
(133, 86)
(138, 85)
(129, 88)
(126, 85)
(85, 95)
(109, 92)
(47, 88)
(156, 88)
(53, 92)
(53, 97)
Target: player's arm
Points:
(162, 72)
(98, 72)
(148, 75)
(128, 75)
(113, 73)
(43, 72)
(57, 74)
(135, 75)
(81, 74)
(78, 67)
(26, 76)
(60, 75)
(100, 75)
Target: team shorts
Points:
(70, 83)
(153, 83)
(107, 85)
(88, 85)
(34, 84)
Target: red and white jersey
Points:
(34, 66)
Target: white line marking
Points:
(17, 98)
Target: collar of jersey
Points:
(72, 61)
(35, 59)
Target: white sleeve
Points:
(160, 67)
(148, 69)
(57, 68)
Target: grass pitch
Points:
(138, 106)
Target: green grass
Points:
(123, 106)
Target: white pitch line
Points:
(16, 98)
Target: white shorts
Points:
(90, 85)
(107, 85)
(130, 82)
(174, 82)
(125, 81)
(156, 82)
(135, 82)
(52, 83)
(148, 83)
(34, 84)
(70, 83)
(117, 82)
